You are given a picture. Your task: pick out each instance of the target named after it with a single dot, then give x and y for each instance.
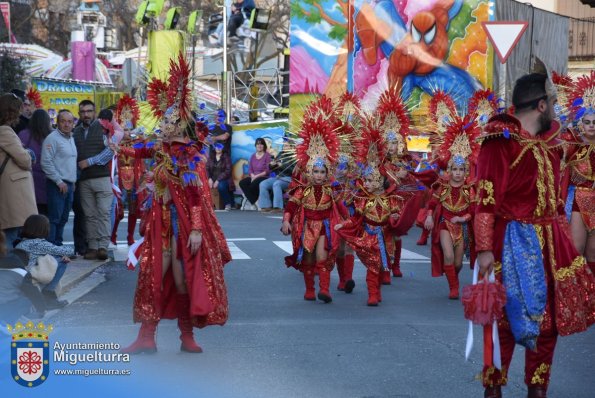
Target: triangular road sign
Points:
(504, 35)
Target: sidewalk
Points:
(79, 279)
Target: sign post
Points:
(5, 9)
(504, 36)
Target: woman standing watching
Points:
(39, 127)
(16, 182)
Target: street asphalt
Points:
(275, 344)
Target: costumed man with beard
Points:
(521, 234)
(184, 249)
(130, 170)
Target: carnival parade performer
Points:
(130, 169)
(351, 117)
(451, 207)
(580, 163)
(312, 211)
(184, 250)
(377, 207)
(398, 163)
(520, 234)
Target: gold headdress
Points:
(319, 146)
(371, 151)
(482, 106)
(582, 97)
(458, 145)
(394, 119)
(127, 112)
(442, 112)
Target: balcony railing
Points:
(255, 93)
(581, 39)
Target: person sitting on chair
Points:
(239, 10)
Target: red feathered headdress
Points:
(322, 105)
(348, 106)
(394, 118)
(582, 98)
(157, 97)
(442, 111)
(35, 98)
(319, 144)
(561, 79)
(370, 150)
(482, 106)
(201, 130)
(564, 86)
(127, 112)
(179, 91)
(458, 145)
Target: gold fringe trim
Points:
(541, 370)
(569, 272)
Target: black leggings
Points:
(251, 188)
(235, 21)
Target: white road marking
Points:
(284, 245)
(121, 252)
(409, 255)
(406, 255)
(236, 253)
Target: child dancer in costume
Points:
(349, 108)
(451, 208)
(580, 163)
(370, 230)
(312, 211)
(184, 250)
(130, 170)
(398, 163)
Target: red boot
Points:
(340, 270)
(145, 342)
(348, 273)
(423, 238)
(185, 325)
(308, 271)
(397, 261)
(114, 236)
(536, 392)
(453, 281)
(372, 282)
(492, 392)
(118, 218)
(324, 282)
(131, 228)
(385, 275)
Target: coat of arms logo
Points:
(30, 353)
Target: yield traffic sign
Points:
(504, 35)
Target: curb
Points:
(76, 271)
